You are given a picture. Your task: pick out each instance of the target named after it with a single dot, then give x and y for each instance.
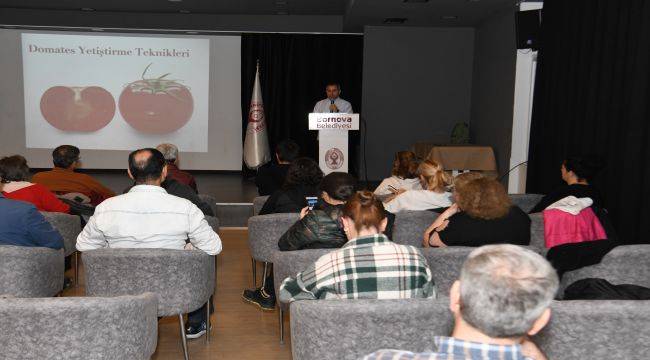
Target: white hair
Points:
(169, 151)
(504, 289)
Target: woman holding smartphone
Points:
(301, 182)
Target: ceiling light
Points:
(394, 20)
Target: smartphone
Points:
(311, 201)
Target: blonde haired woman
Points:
(434, 181)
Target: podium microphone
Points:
(331, 103)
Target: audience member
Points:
(148, 217)
(14, 175)
(364, 268)
(270, 177)
(482, 214)
(577, 173)
(403, 175)
(321, 227)
(503, 296)
(302, 181)
(434, 195)
(170, 152)
(317, 228)
(22, 225)
(63, 179)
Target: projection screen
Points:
(109, 94)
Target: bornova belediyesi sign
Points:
(333, 121)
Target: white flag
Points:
(256, 143)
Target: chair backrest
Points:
(445, 264)
(69, 226)
(211, 201)
(526, 202)
(264, 231)
(537, 233)
(30, 271)
(290, 263)
(124, 327)
(626, 264)
(182, 279)
(258, 203)
(213, 222)
(350, 329)
(410, 225)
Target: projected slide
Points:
(115, 92)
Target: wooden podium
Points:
(333, 139)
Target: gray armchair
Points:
(214, 224)
(69, 226)
(30, 271)
(85, 328)
(183, 280)
(258, 203)
(264, 231)
(286, 264)
(410, 225)
(626, 264)
(526, 202)
(350, 329)
(445, 264)
(537, 233)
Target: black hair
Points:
(65, 155)
(303, 171)
(338, 86)
(13, 168)
(147, 169)
(585, 167)
(339, 185)
(287, 150)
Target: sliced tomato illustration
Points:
(156, 105)
(77, 108)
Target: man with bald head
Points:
(148, 217)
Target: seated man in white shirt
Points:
(333, 103)
(148, 217)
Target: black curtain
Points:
(592, 96)
(294, 69)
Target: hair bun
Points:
(366, 198)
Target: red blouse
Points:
(40, 196)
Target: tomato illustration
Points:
(156, 105)
(77, 108)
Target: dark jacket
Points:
(22, 225)
(270, 178)
(321, 229)
(290, 200)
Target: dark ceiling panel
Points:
(248, 7)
